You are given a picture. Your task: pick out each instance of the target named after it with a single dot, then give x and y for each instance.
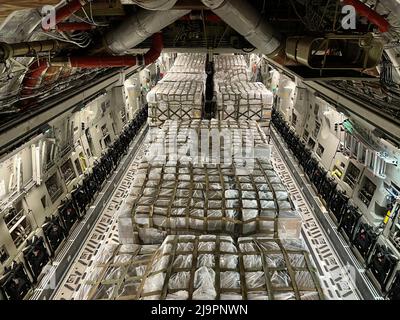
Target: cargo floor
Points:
(333, 273)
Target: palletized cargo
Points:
(175, 101)
(190, 59)
(208, 141)
(244, 101)
(188, 69)
(226, 62)
(184, 77)
(184, 186)
(192, 63)
(176, 198)
(206, 267)
(229, 76)
(230, 68)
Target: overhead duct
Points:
(158, 5)
(23, 49)
(115, 61)
(247, 21)
(134, 30)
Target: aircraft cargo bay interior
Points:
(199, 150)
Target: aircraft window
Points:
(317, 128)
(294, 119)
(43, 201)
(316, 109)
(107, 140)
(305, 135)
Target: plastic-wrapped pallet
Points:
(209, 267)
(224, 141)
(190, 59)
(226, 62)
(176, 198)
(188, 69)
(175, 101)
(184, 77)
(229, 76)
(116, 272)
(191, 63)
(230, 68)
(244, 101)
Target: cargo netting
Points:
(176, 198)
(175, 101)
(230, 68)
(207, 141)
(244, 101)
(207, 267)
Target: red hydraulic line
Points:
(74, 26)
(102, 61)
(155, 50)
(69, 9)
(33, 76)
(51, 75)
(372, 16)
(120, 61)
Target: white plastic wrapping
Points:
(244, 101)
(175, 101)
(184, 77)
(185, 267)
(225, 62)
(193, 198)
(208, 141)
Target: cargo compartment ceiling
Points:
(94, 37)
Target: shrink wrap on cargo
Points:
(191, 60)
(230, 68)
(184, 77)
(226, 62)
(206, 267)
(208, 141)
(175, 101)
(177, 198)
(189, 63)
(244, 101)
